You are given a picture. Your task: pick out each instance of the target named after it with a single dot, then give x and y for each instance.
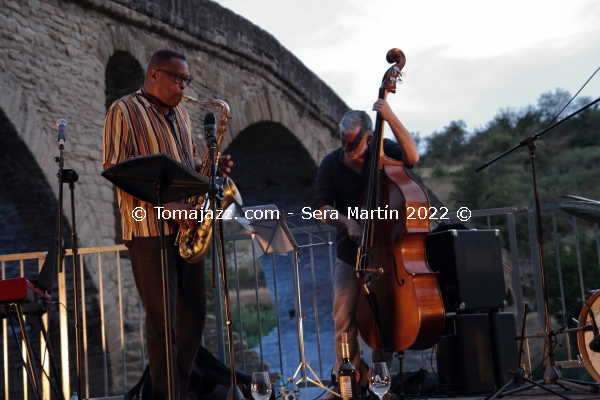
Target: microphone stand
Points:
(70, 176)
(552, 375)
(215, 197)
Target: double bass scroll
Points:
(401, 307)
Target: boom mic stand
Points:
(215, 197)
(552, 375)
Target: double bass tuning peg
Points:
(397, 72)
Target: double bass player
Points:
(340, 185)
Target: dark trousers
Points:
(187, 301)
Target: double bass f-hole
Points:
(399, 281)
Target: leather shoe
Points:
(331, 396)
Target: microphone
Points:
(210, 126)
(61, 125)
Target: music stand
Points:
(156, 179)
(274, 236)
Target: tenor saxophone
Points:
(194, 242)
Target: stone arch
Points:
(272, 166)
(28, 224)
(123, 75)
(28, 212)
(266, 103)
(119, 38)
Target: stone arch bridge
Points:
(71, 59)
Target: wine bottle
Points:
(347, 373)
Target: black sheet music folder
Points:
(139, 177)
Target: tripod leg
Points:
(585, 383)
(585, 386)
(499, 391)
(519, 389)
(546, 388)
(29, 366)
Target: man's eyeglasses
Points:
(176, 78)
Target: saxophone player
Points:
(151, 121)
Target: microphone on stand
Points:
(210, 126)
(61, 125)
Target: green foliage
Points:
(246, 275)
(448, 144)
(268, 321)
(438, 170)
(249, 313)
(567, 158)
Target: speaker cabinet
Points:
(464, 355)
(505, 348)
(469, 263)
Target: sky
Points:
(465, 59)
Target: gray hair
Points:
(357, 119)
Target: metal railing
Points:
(113, 317)
(98, 375)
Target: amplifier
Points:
(469, 263)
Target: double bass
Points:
(401, 306)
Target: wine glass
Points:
(379, 379)
(261, 386)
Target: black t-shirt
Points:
(340, 187)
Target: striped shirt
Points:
(136, 127)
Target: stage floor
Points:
(531, 394)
